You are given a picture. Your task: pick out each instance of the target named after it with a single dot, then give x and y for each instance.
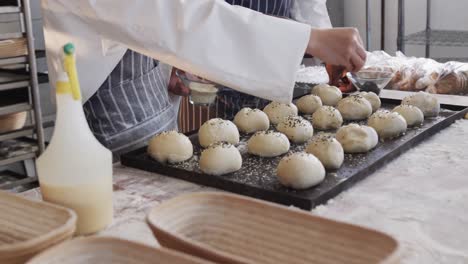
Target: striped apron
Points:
(132, 104)
(230, 100)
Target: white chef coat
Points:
(230, 45)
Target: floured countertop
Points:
(421, 198)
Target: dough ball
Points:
(250, 120)
(354, 107)
(327, 117)
(428, 103)
(357, 139)
(330, 95)
(328, 150)
(220, 158)
(268, 144)
(413, 115)
(296, 128)
(308, 104)
(373, 99)
(300, 171)
(387, 124)
(276, 112)
(170, 147)
(218, 130)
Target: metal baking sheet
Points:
(257, 177)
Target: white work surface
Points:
(420, 198)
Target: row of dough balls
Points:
(174, 147)
(304, 170)
(218, 135)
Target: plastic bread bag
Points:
(416, 74)
(452, 80)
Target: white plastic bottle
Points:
(76, 170)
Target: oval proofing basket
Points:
(228, 228)
(106, 250)
(28, 227)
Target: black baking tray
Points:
(257, 177)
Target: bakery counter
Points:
(419, 198)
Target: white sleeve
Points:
(230, 45)
(312, 12)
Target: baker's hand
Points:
(176, 86)
(338, 46)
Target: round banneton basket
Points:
(228, 228)
(12, 122)
(107, 250)
(28, 227)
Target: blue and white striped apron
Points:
(230, 100)
(132, 104)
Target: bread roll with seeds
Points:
(326, 118)
(428, 103)
(296, 128)
(413, 115)
(387, 124)
(268, 144)
(250, 120)
(355, 107)
(357, 139)
(218, 130)
(220, 158)
(330, 95)
(276, 112)
(328, 150)
(373, 99)
(170, 147)
(300, 171)
(308, 104)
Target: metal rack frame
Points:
(429, 36)
(27, 143)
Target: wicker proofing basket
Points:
(228, 228)
(106, 250)
(28, 227)
(13, 47)
(12, 122)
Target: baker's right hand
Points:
(338, 46)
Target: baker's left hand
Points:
(176, 86)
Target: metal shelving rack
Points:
(24, 144)
(429, 37)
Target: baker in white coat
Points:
(230, 45)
